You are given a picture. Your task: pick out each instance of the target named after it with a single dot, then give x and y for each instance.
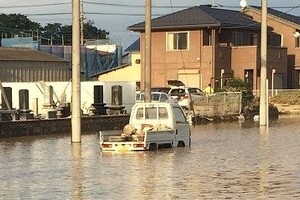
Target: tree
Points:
(17, 24)
(62, 34)
(53, 32)
(92, 32)
(56, 33)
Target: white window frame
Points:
(297, 42)
(170, 41)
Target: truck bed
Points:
(113, 141)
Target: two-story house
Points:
(286, 33)
(202, 44)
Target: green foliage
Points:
(15, 24)
(238, 85)
(18, 24)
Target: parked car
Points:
(184, 95)
(155, 97)
(160, 89)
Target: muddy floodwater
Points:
(226, 161)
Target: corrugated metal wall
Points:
(24, 71)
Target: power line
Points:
(131, 6)
(47, 14)
(120, 14)
(35, 5)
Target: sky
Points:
(115, 16)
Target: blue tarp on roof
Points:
(92, 61)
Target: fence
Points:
(217, 104)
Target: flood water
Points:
(226, 161)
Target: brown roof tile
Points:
(27, 54)
(200, 17)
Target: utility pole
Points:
(81, 23)
(76, 110)
(147, 69)
(263, 108)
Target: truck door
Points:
(182, 127)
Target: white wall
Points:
(87, 93)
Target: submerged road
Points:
(226, 161)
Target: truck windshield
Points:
(152, 113)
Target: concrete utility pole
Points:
(76, 111)
(147, 71)
(263, 109)
(81, 23)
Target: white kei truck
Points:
(151, 126)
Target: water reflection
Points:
(77, 172)
(264, 164)
(226, 160)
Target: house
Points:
(286, 33)
(126, 72)
(204, 45)
(30, 65)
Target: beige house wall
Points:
(167, 65)
(126, 73)
(248, 58)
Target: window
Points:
(179, 115)
(274, 40)
(154, 113)
(207, 37)
(177, 41)
(237, 38)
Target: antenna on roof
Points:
(243, 3)
(215, 5)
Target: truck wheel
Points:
(153, 146)
(180, 144)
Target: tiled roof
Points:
(135, 46)
(199, 17)
(27, 54)
(283, 15)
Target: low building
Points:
(29, 65)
